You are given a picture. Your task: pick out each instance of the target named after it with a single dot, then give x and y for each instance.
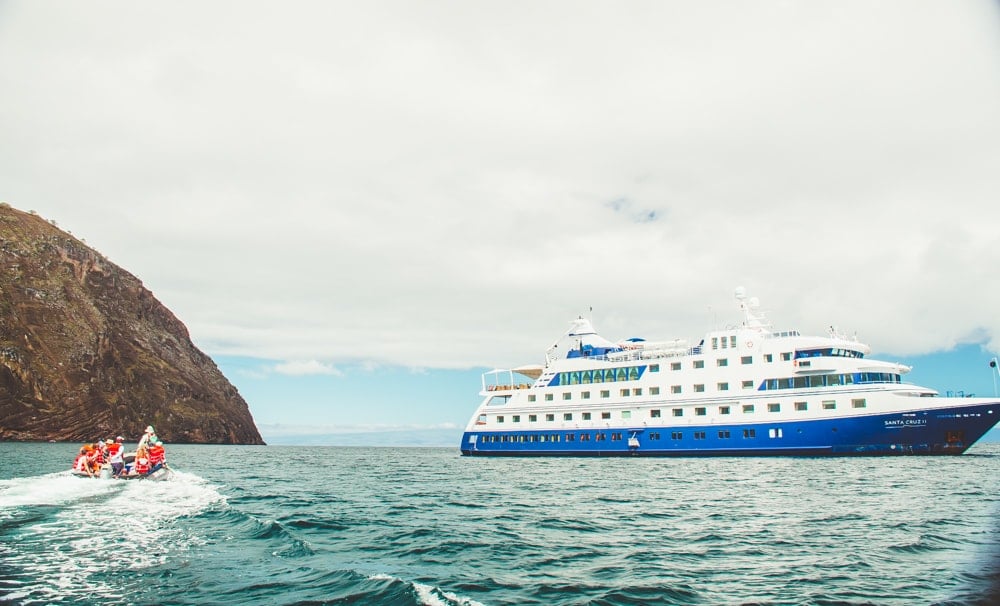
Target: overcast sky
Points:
(443, 185)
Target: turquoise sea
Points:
(357, 525)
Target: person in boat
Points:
(116, 456)
(82, 462)
(99, 455)
(141, 466)
(157, 456)
(148, 437)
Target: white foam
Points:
(428, 594)
(51, 489)
(103, 525)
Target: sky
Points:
(358, 207)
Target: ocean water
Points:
(425, 526)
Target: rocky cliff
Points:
(87, 352)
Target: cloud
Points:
(300, 368)
(429, 186)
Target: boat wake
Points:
(65, 535)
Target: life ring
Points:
(750, 344)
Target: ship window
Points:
(654, 435)
(532, 418)
(654, 368)
(570, 437)
(548, 397)
(584, 437)
(722, 362)
(699, 364)
(567, 416)
(724, 343)
(723, 386)
(723, 410)
(732, 341)
(654, 391)
(499, 418)
(605, 415)
(768, 358)
(724, 433)
(747, 408)
(786, 356)
(749, 433)
(699, 388)
(774, 433)
(584, 395)
(675, 389)
(655, 413)
(531, 397)
(774, 408)
(616, 437)
(800, 382)
(675, 366)
(516, 418)
(626, 414)
(625, 392)
(605, 393)
(600, 437)
(700, 411)
(550, 417)
(699, 435)
(748, 384)
(829, 404)
(715, 342)
(586, 416)
(636, 391)
(633, 373)
(801, 406)
(676, 435)
(678, 412)
(746, 360)
(567, 395)
(858, 403)
(542, 438)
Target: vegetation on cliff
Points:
(87, 352)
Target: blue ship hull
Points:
(945, 431)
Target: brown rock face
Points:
(86, 352)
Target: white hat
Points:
(149, 429)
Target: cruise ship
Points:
(747, 390)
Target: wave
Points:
(65, 535)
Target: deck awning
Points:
(532, 371)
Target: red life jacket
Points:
(141, 465)
(80, 463)
(156, 455)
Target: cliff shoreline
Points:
(87, 352)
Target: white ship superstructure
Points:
(747, 389)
